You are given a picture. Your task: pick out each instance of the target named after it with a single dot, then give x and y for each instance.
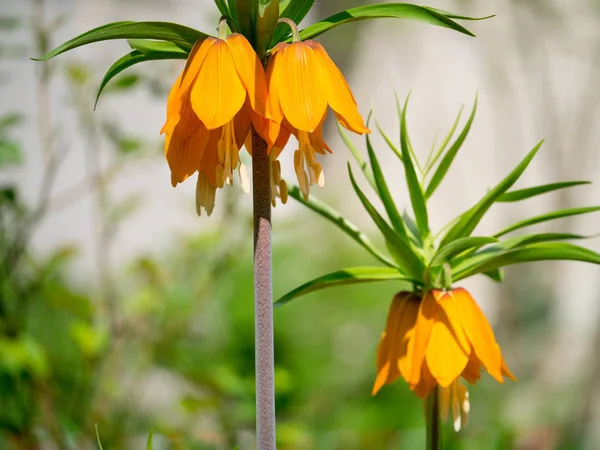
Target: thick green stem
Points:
(433, 421)
(263, 295)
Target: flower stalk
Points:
(263, 295)
(433, 420)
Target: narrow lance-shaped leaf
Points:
(222, 7)
(546, 217)
(381, 11)
(534, 252)
(354, 275)
(460, 245)
(448, 158)
(417, 198)
(149, 441)
(388, 141)
(523, 194)
(337, 219)
(232, 4)
(405, 256)
(131, 59)
(184, 37)
(465, 261)
(432, 159)
(357, 156)
(384, 193)
(470, 219)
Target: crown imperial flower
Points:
(435, 341)
(211, 107)
(303, 82)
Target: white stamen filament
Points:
(308, 170)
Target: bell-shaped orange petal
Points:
(387, 370)
(338, 92)
(426, 382)
(250, 71)
(217, 93)
(425, 320)
(194, 62)
(300, 87)
(448, 349)
(479, 332)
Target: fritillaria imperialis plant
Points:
(256, 83)
(436, 335)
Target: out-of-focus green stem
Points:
(433, 420)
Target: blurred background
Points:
(122, 311)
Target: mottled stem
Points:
(263, 295)
(433, 420)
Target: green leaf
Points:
(448, 158)
(546, 217)
(469, 219)
(464, 262)
(149, 443)
(433, 159)
(337, 219)
(496, 274)
(405, 256)
(357, 156)
(353, 275)
(131, 59)
(222, 6)
(534, 252)
(388, 141)
(266, 22)
(458, 246)
(414, 187)
(246, 14)
(459, 17)
(233, 9)
(9, 120)
(180, 35)
(149, 47)
(522, 194)
(380, 11)
(10, 153)
(384, 193)
(295, 10)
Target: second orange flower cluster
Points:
(224, 90)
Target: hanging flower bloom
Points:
(302, 82)
(220, 93)
(435, 341)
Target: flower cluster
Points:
(436, 340)
(224, 91)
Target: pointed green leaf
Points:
(469, 219)
(380, 11)
(353, 275)
(148, 47)
(337, 219)
(522, 194)
(433, 159)
(464, 262)
(233, 9)
(384, 193)
(459, 17)
(388, 141)
(222, 6)
(546, 217)
(448, 158)
(357, 156)
(295, 10)
(412, 229)
(180, 35)
(135, 57)
(412, 181)
(458, 246)
(149, 443)
(534, 252)
(247, 10)
(402, 251)
(496, 274)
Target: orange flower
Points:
(211, 107)
(302, 82)
(435, 341)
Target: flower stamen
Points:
(308, 170)
(205, 195)
(228, 156)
